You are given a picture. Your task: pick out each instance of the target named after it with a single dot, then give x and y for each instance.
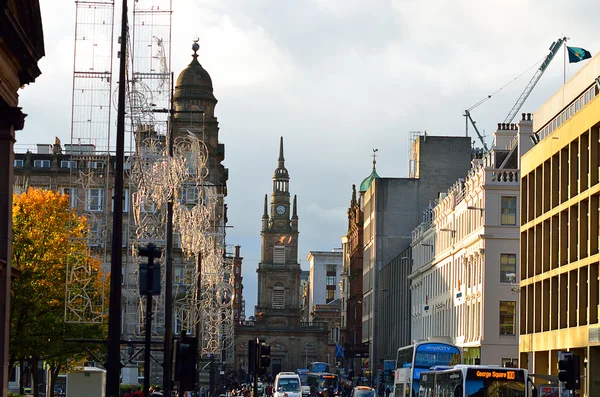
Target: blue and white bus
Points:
(318, 366)
(476, 381)
(422, 356)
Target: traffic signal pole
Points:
(256, 368)
(149, 286)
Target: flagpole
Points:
(565, 64)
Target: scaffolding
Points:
(202, 279)
(89, 151)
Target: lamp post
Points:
(472, 207)
(113, 365)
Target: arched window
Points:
(278, 296)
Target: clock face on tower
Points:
(280, 210)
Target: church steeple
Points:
(281, 178)
(279, 270)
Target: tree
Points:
(47, 236)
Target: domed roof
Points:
(366, 183)
(194, 82)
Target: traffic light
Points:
(569, 371)
(185, 363)
(149, 272)
(252, 347)
(265, 355)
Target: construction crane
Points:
(554, 48)
(536, 77)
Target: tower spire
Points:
(265, 213)
(281, 159)
(295, 208)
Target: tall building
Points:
(560, 286)
(392, 209)
(22, 48)
(464, 256)
(352, 285)
(325, 268)
(278, 310)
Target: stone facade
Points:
(294, 344)
(22, 46)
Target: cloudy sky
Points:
(335, 78)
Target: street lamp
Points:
(472, 207)
(449, 230)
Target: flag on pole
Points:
(577, 54)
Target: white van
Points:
(287, 384)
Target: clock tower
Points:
(279, 270)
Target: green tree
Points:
(47, 236)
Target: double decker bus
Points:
(318, 366)
(322, 384)
(302, 374)
(422, 356)
(476, 381)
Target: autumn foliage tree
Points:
(47, 236)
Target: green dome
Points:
(366, 183)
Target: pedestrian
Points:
(138, 393)
(129, 393)
(157, 392)
(387, 391)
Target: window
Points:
(125, 201)
(177, 274)
(41, 163)
(18, 164)
(278, 296)
(68, 164)
(330, 280)
(509, 211)
(507, 317)
(508, 266)
(279, 255)
(95, 164)
(191, 195)
(147, 205)
(330, 295)
(94, 235)
(72, 193)
(95, 200)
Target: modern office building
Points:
(559, 263)
(464, 278)
(392, 208)
(325, 268)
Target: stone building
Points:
(22, 47)
(278, 312)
